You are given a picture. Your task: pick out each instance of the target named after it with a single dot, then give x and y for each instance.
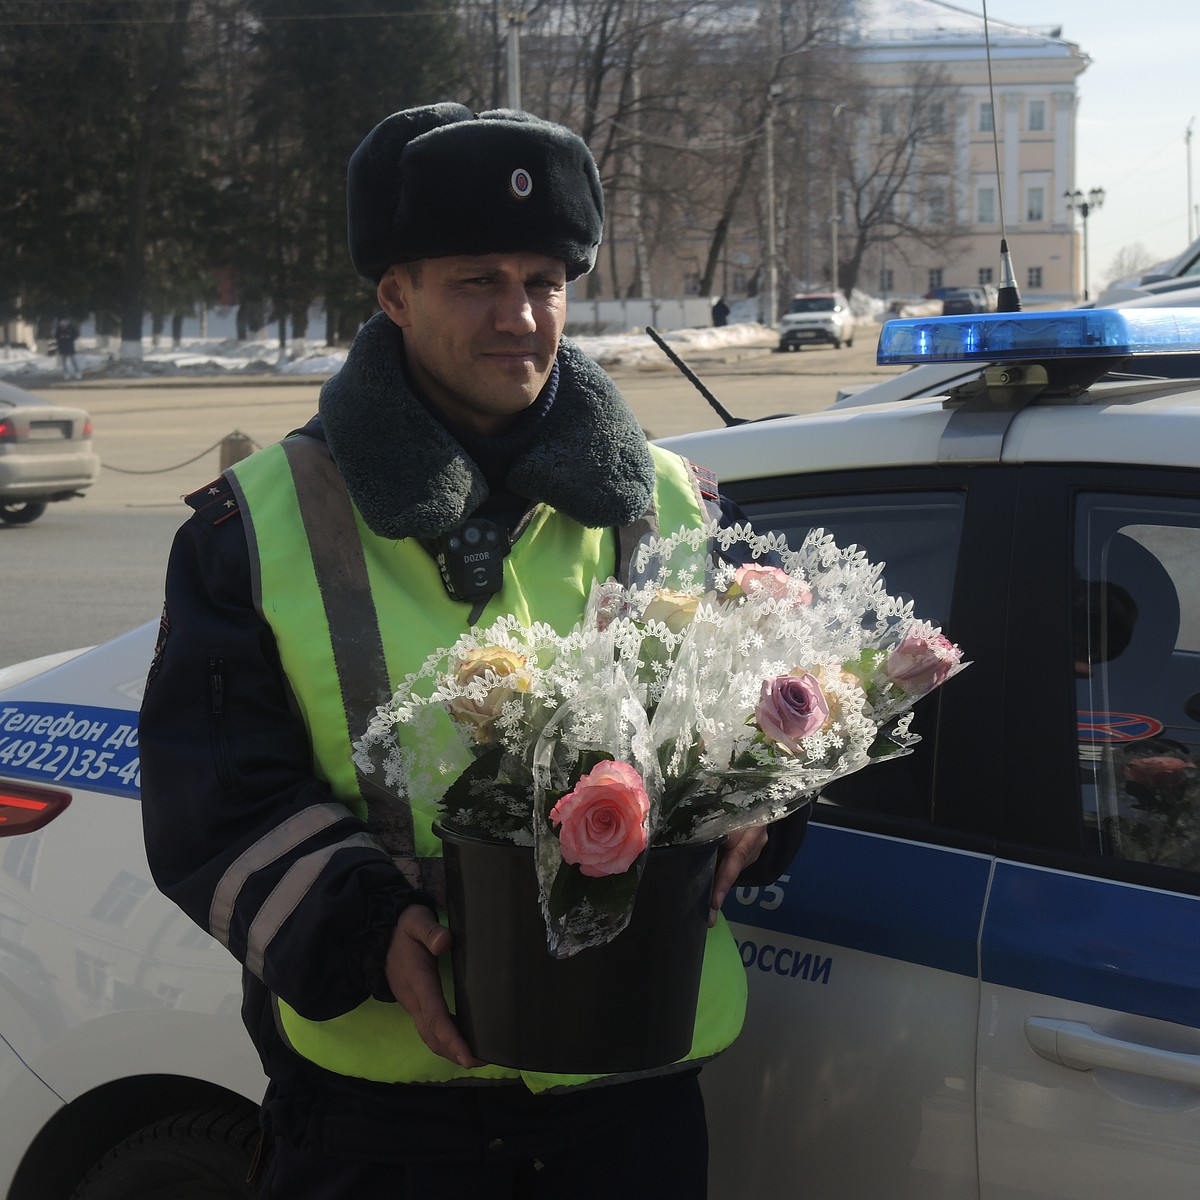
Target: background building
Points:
(1034, 74)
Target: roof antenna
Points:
(694, 379)
(1008, 298)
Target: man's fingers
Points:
(412, 974)
(738, 852)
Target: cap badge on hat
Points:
(520, 183)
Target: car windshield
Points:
(805, 304)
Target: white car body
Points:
(955, 1005)
(817, 318)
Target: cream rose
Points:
(674, 609)
(602, 821)
(511, 673)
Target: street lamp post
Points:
(772, 312)
(774, 94)
(513, 46)
(835, 215)
(1076, 202)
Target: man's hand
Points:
(412, 974)
(739, 851)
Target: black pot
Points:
(628, 1005)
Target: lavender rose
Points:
(791, 707)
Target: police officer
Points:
(308, 579)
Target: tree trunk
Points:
(160, 98)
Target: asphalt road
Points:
(91, 568)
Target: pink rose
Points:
(603, 820)
(791, 707)
(767, 583)
(1156, 770)
(922, 661)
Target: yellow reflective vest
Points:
(350, 611)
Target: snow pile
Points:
(196, 356)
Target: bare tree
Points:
(896, 171)
(1129, 260)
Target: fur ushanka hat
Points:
(440, 180)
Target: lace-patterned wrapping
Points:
(736, 674)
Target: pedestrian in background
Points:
(65, 333)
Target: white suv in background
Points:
(817, 318)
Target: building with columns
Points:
(1033, 117)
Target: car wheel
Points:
(21, 512)
(201, 1155)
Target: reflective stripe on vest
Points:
(350, 612)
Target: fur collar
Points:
(410, 478)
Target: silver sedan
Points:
(45, 454)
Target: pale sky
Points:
(1135, 101)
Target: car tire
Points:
(200, 1155)
(21, 512)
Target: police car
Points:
(979, 977)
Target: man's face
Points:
(480, 333)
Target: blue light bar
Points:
(1033, 336)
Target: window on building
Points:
(1034, 279)
(987, 120)
(937, 117)
(986, 275)
(985, 205)
(887, 118)
(19, 857)
(91, 976)
(935, 207)
(1035, 204)
(935, 278)
(120, 898)
(887, 279)
(1037, 115)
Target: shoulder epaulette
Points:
(706, 481)
(216, 502)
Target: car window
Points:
(812, 304)
(1137, 663)
(915, 535)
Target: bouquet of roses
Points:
(720, 688)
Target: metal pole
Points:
(1188, 139)
(1083, 212)
(834, 215)
(514, 58)
(772, 259)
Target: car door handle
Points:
(1078, 1046)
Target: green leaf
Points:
(609, 893)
